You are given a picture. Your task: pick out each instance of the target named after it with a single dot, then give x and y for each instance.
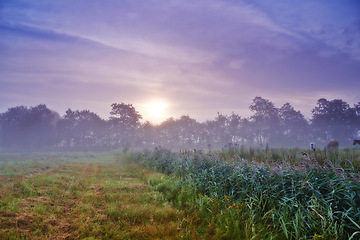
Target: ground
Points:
(87, 200)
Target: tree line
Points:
(39, 128)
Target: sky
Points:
(170, 58)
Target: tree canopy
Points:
(34, 128)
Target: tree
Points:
(187, 128)
(42, 126)
(124, 121)
(266, 121)
(148, 134)
(13, 127)
(167, 132)
(181, 132)
(81, 130)
(26, 128)
(234, 123)
(335, 120)
(356, 121)
(295, 128)
(248, 132)
(217, 131)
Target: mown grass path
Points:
(82, 200)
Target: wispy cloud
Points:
(334, 23)
(203, 56)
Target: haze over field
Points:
(171, 57)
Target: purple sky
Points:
(197, 57)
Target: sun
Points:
(156, 110)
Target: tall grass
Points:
(264, 193)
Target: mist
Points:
(42, 129)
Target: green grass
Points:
(237, 193)
(88, 197)
(274, 194)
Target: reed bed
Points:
(247, 193)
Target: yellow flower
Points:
(232, 206)
(317, 236)
(242, 205)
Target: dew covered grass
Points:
(263, 193)
(236, 193)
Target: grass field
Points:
(247, 193)
(230, 194)
(83, 196)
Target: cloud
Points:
(202, 56)
(334, 24)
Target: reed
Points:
(276, 193)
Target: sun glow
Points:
(156, 110)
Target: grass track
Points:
(88, 200)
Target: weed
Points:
(286, 196)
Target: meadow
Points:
(236, 193)
(83, 196)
